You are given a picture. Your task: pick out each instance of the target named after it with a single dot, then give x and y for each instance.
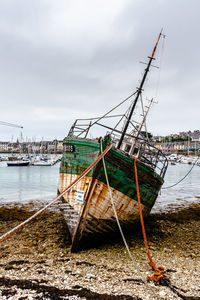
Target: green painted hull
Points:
(91, 217)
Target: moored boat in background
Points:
(18, 163)
(45, 160)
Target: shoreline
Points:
(36, 262)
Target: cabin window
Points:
(135, 151)
(127, 148)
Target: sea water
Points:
(186, 192)
(39, 183)
(22, 184)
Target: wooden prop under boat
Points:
(87, 207)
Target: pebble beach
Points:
(36, 262)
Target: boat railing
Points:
(79, 128)
(153, 157)
(146, 152)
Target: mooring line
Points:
(116, 217)
(167, 187)
(122, 234)
(20, 226)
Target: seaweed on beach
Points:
(54, 292)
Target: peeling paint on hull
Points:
(87, 207)
(97, 217)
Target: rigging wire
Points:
(120, 229)
(167, 187)
(111, 110)
(116, 217)
(120, 120)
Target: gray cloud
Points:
(69, 59)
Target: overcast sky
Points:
(68, 59)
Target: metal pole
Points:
(139, 91)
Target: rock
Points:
(162, 294)
(193, 255)
(90, 276)
(176, 251)
(25, 251)
(48, 264)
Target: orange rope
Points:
(159, 272)
(27, 221)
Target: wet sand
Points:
(36, 262)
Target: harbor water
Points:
(31, 183)
(172, 195)
(39, 183)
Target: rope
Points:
(121, 232)
(20, 226)
(167, 187)
(159, 277)
(116, 217)
(160, 270)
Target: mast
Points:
(139, 91)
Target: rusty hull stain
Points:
(97, 211)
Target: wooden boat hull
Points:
(87, 208)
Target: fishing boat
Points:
(41, 163)
(44, 161)
(87, 208)
(18, 163)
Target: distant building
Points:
(4, 146)
(32, 147)
(60, 146)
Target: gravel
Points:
(36, 262)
